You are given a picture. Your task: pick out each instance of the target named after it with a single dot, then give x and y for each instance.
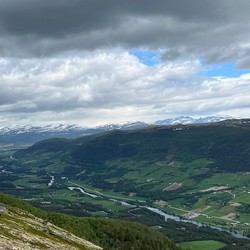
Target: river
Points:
(165, 215)
(198, 224)
(82, 191)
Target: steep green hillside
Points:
(28, 227)
(226, 144)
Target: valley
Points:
(64, 191)
(187, 172)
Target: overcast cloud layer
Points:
(69, 61)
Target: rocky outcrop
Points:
(22, 231)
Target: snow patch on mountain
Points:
(30, 134)
(190, 120)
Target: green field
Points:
(202, 245)
(149, 179)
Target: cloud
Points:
(87, 81)
(78, 60)
(110, 87)
(212, 30)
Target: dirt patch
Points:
(132, 194)
(202, 209)
(235, 204)
(230, 216)
(215, 188)
(161, 203)
(172, 187)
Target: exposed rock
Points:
(22, 231)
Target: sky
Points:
(92, 62)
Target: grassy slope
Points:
(110, 234)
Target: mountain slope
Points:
(27, 227)
(22, 230)
(225, 143)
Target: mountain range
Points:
(191, 120)
(29, 134)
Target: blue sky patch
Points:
(224, 70)
(149, 58)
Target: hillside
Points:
(19, 229)
(225, 143)
(25, 227)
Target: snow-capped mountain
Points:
(30, 134)
(38, 129)
(66, 128)
(191, 120)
